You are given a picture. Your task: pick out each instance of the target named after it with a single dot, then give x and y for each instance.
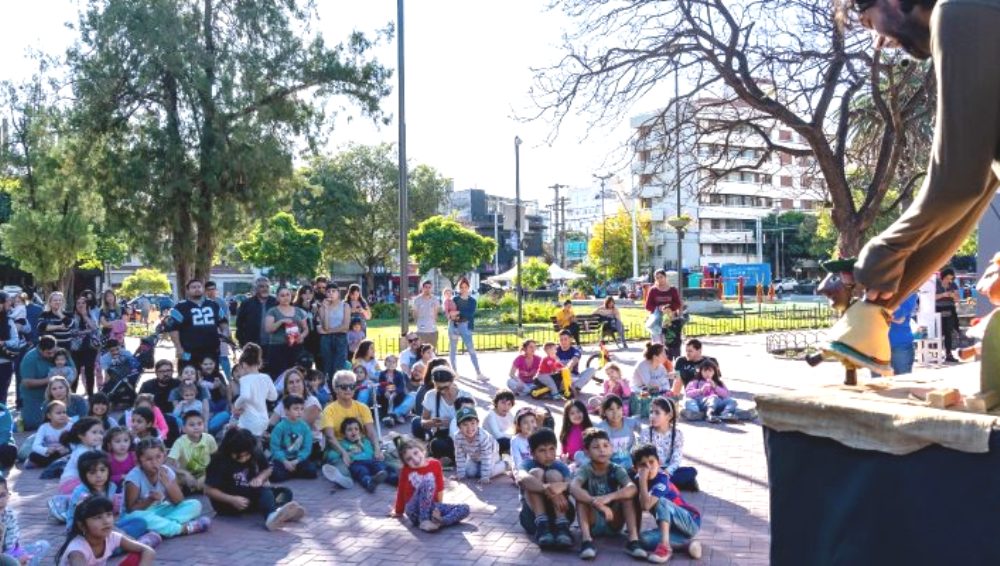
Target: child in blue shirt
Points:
(291, 444)
(677, 522)
(364, 468)
(546, 512)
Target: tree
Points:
(442, 243)
(592, 276)
(615, 259)
(145, 281)
(754, 64)
(196, 108)
(280, 244)
(534, 273)
(355, 197)
(54, 210)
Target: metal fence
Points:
(500, 338)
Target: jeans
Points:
(461, 330)
(218, 421)
(226, 366)
(406, 405)
(363, 470)
(713, 404)
(902, 358)
(683, 526)
(167, 519)
(333, 352)
(304, 469)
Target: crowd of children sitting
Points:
(125, 485)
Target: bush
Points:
(534, 312)
(488, 301)
(385, 311)
(508, 301)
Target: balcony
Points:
(651, 191)
(645, 167)
(728, 258)
(727, 237)
(656, 214)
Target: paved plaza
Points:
(353, 527)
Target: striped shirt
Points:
(483, 449)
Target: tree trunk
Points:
(370, 279)
(849, 240)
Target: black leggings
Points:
(949, 326)
(85, 358)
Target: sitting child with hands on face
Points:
(477, 454)
(677, 522)
(708, 397)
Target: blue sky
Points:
(468, 73)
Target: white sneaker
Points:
(331, 473)
(694, 549)
(291, 511)
(482, 377)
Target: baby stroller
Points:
(124, 375)
(145, 353)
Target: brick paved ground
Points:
(349, 527)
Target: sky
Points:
(468, 67)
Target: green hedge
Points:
(385, 311)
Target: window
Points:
(784, 158)
(807, 181)
(786, 203)
(786, 181)
(784, 135)
(804, 161)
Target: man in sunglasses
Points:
(962, 39)
(411, 354)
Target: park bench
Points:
(590, 324)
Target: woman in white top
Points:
(256, 389)
(334, 321)
(652, 374)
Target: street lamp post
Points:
(604, 225)
(404, 207)
(677, 181)
(517, 229)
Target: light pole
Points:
(517, 228)
(677, 181)
(560, 250)
(604, 225)
(404, 206)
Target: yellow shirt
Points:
(564, 319)
(335, 413)
(193, 457)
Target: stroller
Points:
(145, 353)
(124, 375)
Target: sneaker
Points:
(429, 526)
(199, 525)
(331, 473)
(564, 540)
(151, 539)
(368, 483)
(482, 378)
(545, 538)
(690, 415)
(729, 417)
(380, 477)
(634, 549)
(587, 550)
(388, 422)
(694, 549)
(58, 505)
(659, 555)
(713, 419)
(288, 512)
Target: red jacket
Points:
(409, 476)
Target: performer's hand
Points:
(876, 296)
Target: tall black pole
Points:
(517, 228)
(604, 225)
(404, 205)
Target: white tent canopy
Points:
(556, 273)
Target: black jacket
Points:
(250, 319)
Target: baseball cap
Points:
(464, 414)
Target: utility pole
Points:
(496, 236)
(604, 224)
(404, 206)
(557, 235)
(677, 180)
(562, 207)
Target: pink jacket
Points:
(701, 388)
(610, 388)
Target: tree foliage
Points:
(145, 280)
(281, 245)
(441, 243)
(749, 66)
(354, 197)
(54, 211)
(616, 256)
(195, 109)
(534, 273)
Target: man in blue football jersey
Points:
(195, 325)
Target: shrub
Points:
(488, 301)
(508, 301)
(385, 311)
(534, 312)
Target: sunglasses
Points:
(344, 386)
(412, 340)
